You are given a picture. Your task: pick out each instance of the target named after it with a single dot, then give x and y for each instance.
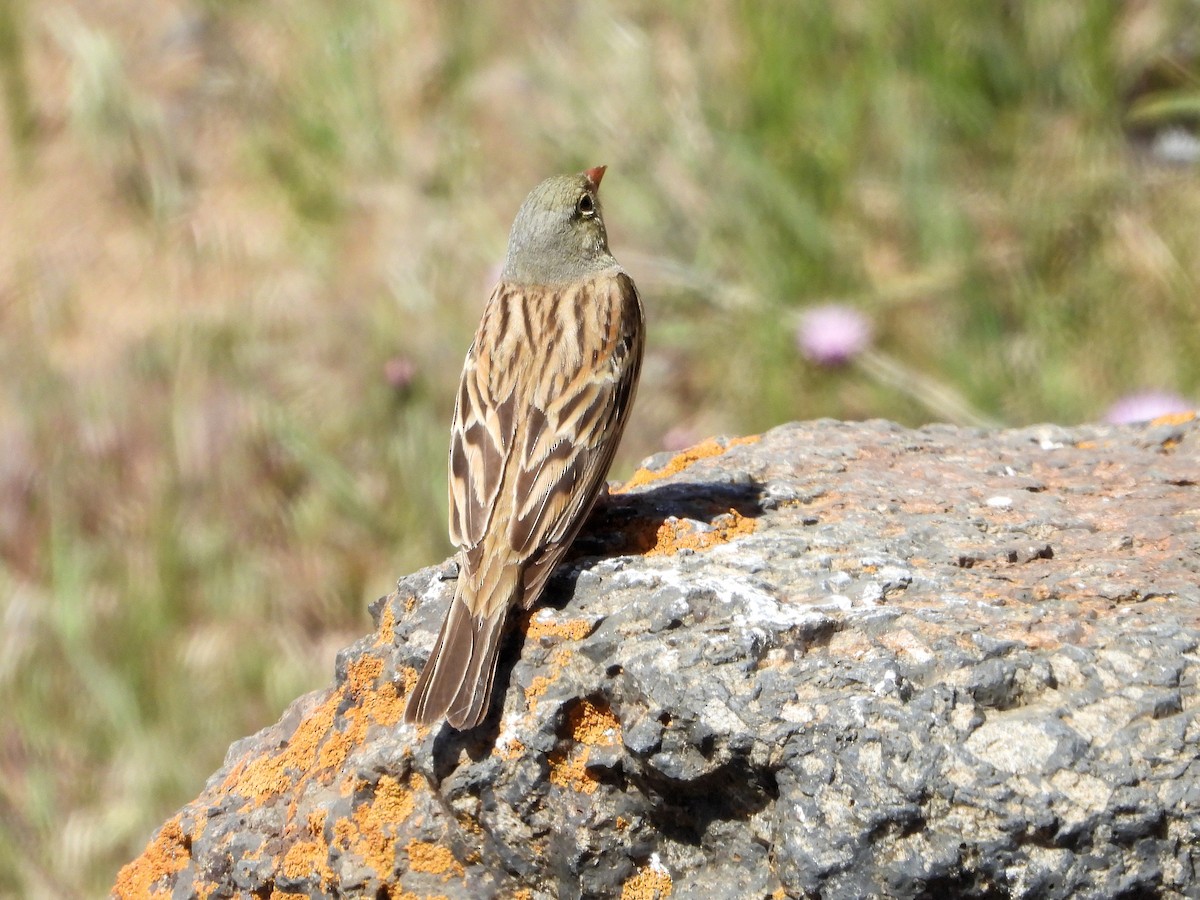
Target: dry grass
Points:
(220, 221)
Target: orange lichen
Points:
(409, 676)
(536, 688)
(394, 801)
(674, 535)
(568, 769)
(382, 705)
(340, 742)
(593, 723)
(317, 748)
(370, 831)
(167, 853)
(539, 684)
(589, 724)
(386, 705)
(362, 673)
(703, 450)
(540, 625)
(316, 822)
(343, 833)
(470, 825)
(1178, 418)
(304, 859)
(385, 634)
(512, 749)
(374, 844)
(652, 882)
(433, 860)
(261, 778)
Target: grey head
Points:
(558, 235)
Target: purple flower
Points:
(832, 335)
(680, 438)
(399, 372)
(1145, 405)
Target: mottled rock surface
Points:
(837, 660)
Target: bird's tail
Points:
(457, 679)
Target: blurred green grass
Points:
(223, 219)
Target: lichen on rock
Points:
(837, 659)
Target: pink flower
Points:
(680, 438)
(1145, 405)
(832, 335)
(399, 372)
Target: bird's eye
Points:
(585, 206)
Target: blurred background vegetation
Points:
(243, 245)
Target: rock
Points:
(836, 660)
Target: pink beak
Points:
(594, 175)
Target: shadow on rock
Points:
(628, 524)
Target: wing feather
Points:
(531, 444)
(589, 419)
(481, 438)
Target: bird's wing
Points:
(482, 430)
(530, 444)
(562, 468)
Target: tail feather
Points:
(457, 679)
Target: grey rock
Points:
(841, 660)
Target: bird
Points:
(545, 394)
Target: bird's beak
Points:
(594, 175)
